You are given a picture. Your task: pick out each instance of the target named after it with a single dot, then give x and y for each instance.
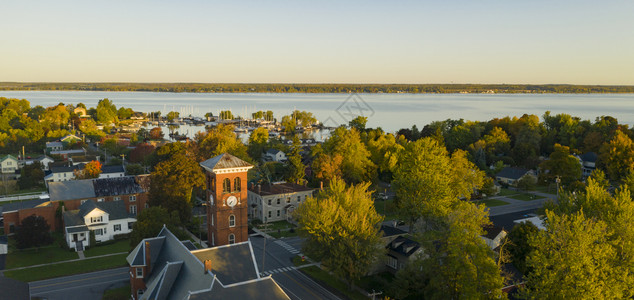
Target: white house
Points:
(54, 146)
(494, 236)
(112, 171)
(42, 159)
(63, 173)
(9, 164)
(276, 202)
(105, 219)
(275, 155)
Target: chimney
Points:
(148, 257)
(207, 264)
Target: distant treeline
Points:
(318, 88)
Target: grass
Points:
(122, 293)
(506, 192)
(380, 282)
(116, 247)
(493, 202)
(70, 268)
(386, 208)
(297, 261)
(32, 256)
(526, 197)
(546, 189)
(283, 233)
(274, 226)
(331, 281)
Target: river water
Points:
(388, 111)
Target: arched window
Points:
(232, 238)
(232, 221)
(236, 184)
(226, 185)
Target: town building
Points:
(131, 190)
(112, 171)
(66, 154)
(276, 201)
(275, 155)
(44, 160)
(54, 146)
(105, 219)
(400, 251)
(165, 268)
(511, 175)
(226, 199)
(79, 111)
(9, 164)
(493, 236)
(62, 173)
(588, 163)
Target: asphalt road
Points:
(81, 286)
(277, 262)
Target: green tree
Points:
(561, 164)
(156, 133)
(297, 169)
(356, 165)
(519, 248)
(221, 139)
(33, 232)
(341, 228)
(31, 176)
(572, 258)
(106, 112)
(226, 115)
(358, 123)
(428, 182)
(149, 223)
(172, 115)
(617, 156)
(257, 142)
(289, 124)
(173, 180)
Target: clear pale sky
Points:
(577, 42)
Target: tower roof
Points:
(225, 161)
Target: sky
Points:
(571, 42)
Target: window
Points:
(226, 185)
(278, 212)
(269, 201)
(288, 200)
(269, 213)
(98, 231)
(132, 198)
(392, 262)
(130, 225)
(117, 227)
(299, 198)
(100, 200)
(82, 201)
(212, 220)
(147, 205)
(96, 219)
(11, 228)
(117, 198)
(237, 184)
(133, 209)
(139, 272)
(232, 238)
(278, 201)
(232, 221)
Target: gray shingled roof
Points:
(279, 188)
(391, 231)
(14, 289)
(241, 267)
(125, 185)
(72, 218)
(112, 169)
(66, 169)
(224, 161)
(404, 246)
(116, 210)
(21, 205)
(589, 157)
(512, 173)
(263, 289)
(72, 189)
(77, 229)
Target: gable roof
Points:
(72, 189)
(54, 144)
(21, 205)
(125, 185)
(589, 157)
(8, 156)
(389, 231)
(403, 246)
(512, 173)
(492, 231)
(273, 151)
(66, 169)
(178, 273)
(116, 210)
(225, 161)
(112, 169)
(98, 187)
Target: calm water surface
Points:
(389, 111)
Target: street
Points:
(277, 263)
(81, 286)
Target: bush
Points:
(123, 236)
(33, 232)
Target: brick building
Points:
(226, 177)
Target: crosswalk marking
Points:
(288, 247)
(278, 270)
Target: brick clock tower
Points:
(226, 177)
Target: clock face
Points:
(232, 201)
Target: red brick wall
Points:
(221, 213)
(15, 218)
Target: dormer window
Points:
(96, 219)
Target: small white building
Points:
(9, 164)
(276, 202)
(105, 219)
(112, 171)
(275, 155)
(494, 236)
(54, 146)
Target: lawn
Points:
(274, 226)
(69, 268)
(30, 257)
(297, 261)
(386, 208)
(493, 202)
(526, 197)
(546, 189)
(378, 282)
(331, 281)
(506, 192)
(116, 247)
(122, 293)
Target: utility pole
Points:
(557, 180)
(374, 294)
(123, 160)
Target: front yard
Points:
(386, 208)
(69, 268)
(331, 281)
(493, 202)
(116, 247)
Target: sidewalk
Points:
(65, 261)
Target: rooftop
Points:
(512, 172)
(279, 188)
(225, 161)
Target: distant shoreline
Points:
(321, 88)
